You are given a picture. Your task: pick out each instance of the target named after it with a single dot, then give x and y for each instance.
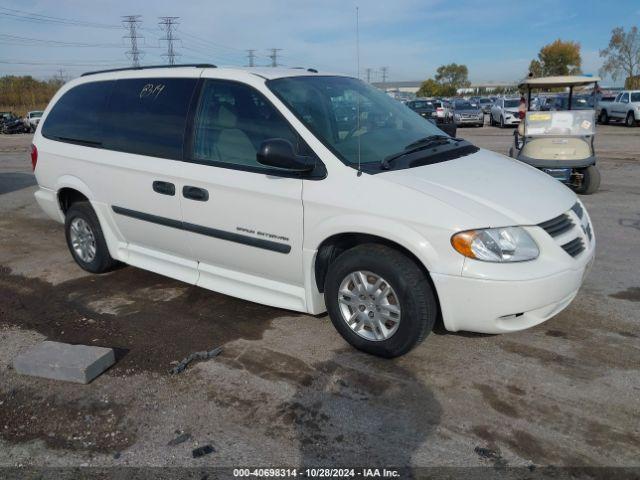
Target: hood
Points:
(496, 190)
(469, 111)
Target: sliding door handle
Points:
(164, 188)
(195, 193)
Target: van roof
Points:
(267, 73)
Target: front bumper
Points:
(469, 121)
(511, 120)
(501, 298)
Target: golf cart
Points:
(560, 142)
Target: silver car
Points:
(505, 112)
(467, 113)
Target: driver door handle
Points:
(195, 193)
(164, 188)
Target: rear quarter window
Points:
(77, 115)
(148, 116)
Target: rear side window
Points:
(147, 116)
(77, 116)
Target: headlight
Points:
(506, 244)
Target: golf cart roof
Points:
(559, 81)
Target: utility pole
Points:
(368, 71)
(131, 23)
(274, 56)
(169, 25)
(251, 55)
(384, 71)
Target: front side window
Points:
(380, 126)
(232, 120)
(77, 116)
(147, 116)
(624, 98)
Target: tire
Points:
(603, 117)
(502, 122)
(81, 214)
(630, 121)
(410, 288)
(590, 182)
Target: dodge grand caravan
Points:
(244, 182)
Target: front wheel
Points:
(630, 121)
(604, 117)
(85, 239)
(590, 181)
(379, 300)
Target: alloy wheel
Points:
(369, 305)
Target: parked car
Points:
(431, 109)
(32, 119)
(5, 116)
(485, 104)
(504, 112)
(625, 107)
(13, 124)
(241, 182)
(467, 113)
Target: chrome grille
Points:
(557, 226)
(574, 247)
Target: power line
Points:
(169, 25)
(22, 15)
(274, 56)
(131, 23)
(251, 55)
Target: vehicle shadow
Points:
(362, 411)
(13, 181)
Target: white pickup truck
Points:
(625, 107)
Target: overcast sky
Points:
(495, 39)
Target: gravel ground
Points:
(287, 390)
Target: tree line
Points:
(621, 60)
(22, 94)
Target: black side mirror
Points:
(279, 153)
(449, 128)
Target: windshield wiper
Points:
(420, 144)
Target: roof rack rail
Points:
(196, 65)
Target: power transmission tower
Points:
(169, 24)
(385, 71)
(131, 23)
(274, 56)
(368, 70)
(251, 55)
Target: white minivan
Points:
(308, 192)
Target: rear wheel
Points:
(590, 181)
(604, 117)
(85, 239)
(379, 300)
(630, 121)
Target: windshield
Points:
(484, 100)
(464, 106)
(512, 103)
(384, 126)
(35, 114)
(422, 105)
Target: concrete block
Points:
(61, 361)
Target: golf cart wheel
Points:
(630, 121)
(604, 117)
(590, 181)
(380, 300)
